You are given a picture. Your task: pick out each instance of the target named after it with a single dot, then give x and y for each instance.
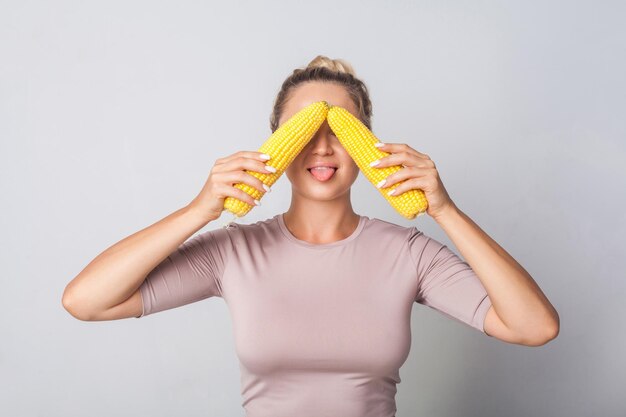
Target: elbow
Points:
(553, 329)
(550, 329)
(542, 340)
(71, 306)
(550, 333)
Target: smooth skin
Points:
(320, 212)
(520, 312)
(108, 287)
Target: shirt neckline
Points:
(342, 242)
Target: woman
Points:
(320, 296)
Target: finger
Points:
(400, 147)
(250, 164)
(410, 184)
(402, 158)
(244, 177)
(404, 174)
(232, 191)
(247, 154)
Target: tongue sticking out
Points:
(322, 174)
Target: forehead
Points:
(313, 91)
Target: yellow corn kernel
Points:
(283, 146)
(359, 142)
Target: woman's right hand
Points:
(227, 172)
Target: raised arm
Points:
(107, 289)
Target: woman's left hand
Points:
(418, 172)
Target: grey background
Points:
(112, 113)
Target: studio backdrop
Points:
(112, 113)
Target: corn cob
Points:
(283, 146)
(359, 142)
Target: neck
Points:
(321, 222)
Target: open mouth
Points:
(322, 173)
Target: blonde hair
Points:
(324, 69)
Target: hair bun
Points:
(325, 70)
(337, 65)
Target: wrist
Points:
(447, 212)
(198, 214)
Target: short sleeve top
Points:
(320, 329)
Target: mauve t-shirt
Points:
(321, 330)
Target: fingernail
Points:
(257, 202)
(267, 189)
(380, 184)
(264, 156)
(373, 164)
(379, 144)
(391, 192)
(270, 169)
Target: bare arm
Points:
(520, 312)
(107, 288)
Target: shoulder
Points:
(383, 230)
(420, 245)
(256, 227)
(242, 233)
(387, 227)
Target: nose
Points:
(322, 141)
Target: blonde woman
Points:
(320, 296)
